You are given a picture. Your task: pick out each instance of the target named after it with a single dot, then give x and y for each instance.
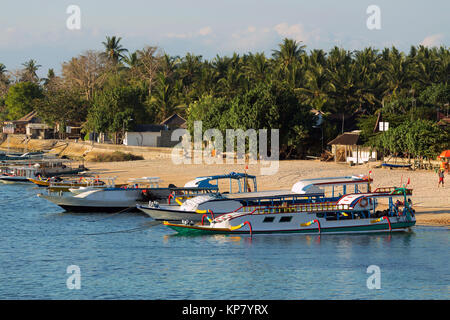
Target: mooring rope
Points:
(113, 214)
(142, 227)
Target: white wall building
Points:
(142, 139)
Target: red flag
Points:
(409, 181)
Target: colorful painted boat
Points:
(352, 213)
(74, 185)
(23, 171)
(141, 191)
(304, 191)
(392, 165)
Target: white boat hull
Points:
(257, 226)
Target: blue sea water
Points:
(126, 257)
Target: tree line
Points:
(112, 90)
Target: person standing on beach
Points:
(441, 178)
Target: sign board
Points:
(384, 126)
(68, 129)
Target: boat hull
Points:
(11, 180)
(73, 203)
(295, 227)
(106, 200)
(87, 209)
(166, 214)
(203, 230)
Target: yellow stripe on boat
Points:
(377, 220)
(236, 227)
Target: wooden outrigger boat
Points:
(140, 191)
(304, 191)
(352, 213)
(23, 171)
(79, 185)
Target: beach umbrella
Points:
(445, 154)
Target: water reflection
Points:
(39, 242)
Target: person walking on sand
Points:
(441, 178)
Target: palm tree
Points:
(169, 65)
(164, 96)
(289, 51)
(4, 80)
(220, 66)
(133, 63)
(190, 68)
(50, 78)
(114, 51)
(132, 60)
(257, 67)
(29, 71)
(317, 86)
(2, 69)
(397, 71)
(290, 62)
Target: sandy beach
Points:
(432, 204)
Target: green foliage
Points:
(62, 106)
(113, 108)
(272, 106)
(210, 111)
(419, 138)
(20, 99)
(116, 156)
(248, 91)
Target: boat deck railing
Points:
(291, 208)
(307, 207)
(393, 190)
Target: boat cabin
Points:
(237, 182)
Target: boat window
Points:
(320, 214)
(269, 219)
(286, 219)
(331, 216)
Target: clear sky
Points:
(36, 29)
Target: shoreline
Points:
(432, 204)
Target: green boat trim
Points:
(200, 230)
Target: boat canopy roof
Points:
(193, 203)
(352, 199)
(204, 182)
(307, 186)
(152, 181)
(269, 194)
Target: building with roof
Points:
(155, 135)
(31, 124)
(347, 147)
(175, 121)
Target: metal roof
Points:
(306, 186)
(204, 181)
(348, 138)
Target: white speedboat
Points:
(26, 171)
(304, 191)
(353, 213)
(18, 174)
(141, 191)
